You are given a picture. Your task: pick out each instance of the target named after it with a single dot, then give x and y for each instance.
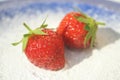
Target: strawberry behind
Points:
(78, 30)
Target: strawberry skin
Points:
(73, 31)
(46, 51)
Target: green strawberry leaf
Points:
(28, 28)
(87, 28)
(43, 24)
(93, 39)
(16, 43)
(88, 36)
(38, 31)
(24, 42)
(100, 23)
(84, 20)
(26, 35)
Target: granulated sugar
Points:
(99, 63)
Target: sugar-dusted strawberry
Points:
(44, 48)
(78, 30)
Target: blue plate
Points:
(98, 7)
(99, 63)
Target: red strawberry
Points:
(78, 30)
(44, 48)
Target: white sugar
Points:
(100, 63)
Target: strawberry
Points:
(78, 30)
(44, 48)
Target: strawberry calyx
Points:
(91, 26)
(37, 31)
